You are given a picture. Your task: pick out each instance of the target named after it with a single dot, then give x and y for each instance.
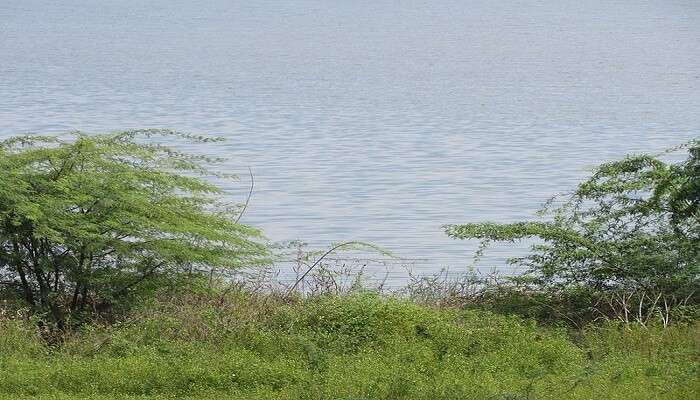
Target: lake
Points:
(368, 120)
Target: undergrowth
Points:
(359, 346)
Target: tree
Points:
(634, 226)
(87, 219)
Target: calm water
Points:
(374, 120)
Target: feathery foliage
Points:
(85, 220)
(634, 225)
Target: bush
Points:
(627, 238)
(86, 223)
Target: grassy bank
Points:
(120, 264)
(237, 346)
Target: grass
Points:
(343, 347)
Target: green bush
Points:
(626, 241)
(92, 221)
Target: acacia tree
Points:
(634, 225)
(88, 218)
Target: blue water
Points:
(372, 120)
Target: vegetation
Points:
(203, 346)
(87, 221)
(109, 244)
(627, 240)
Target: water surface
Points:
(373, 120)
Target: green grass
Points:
(352, 347)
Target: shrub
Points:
(631, 231)
(88, 221)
